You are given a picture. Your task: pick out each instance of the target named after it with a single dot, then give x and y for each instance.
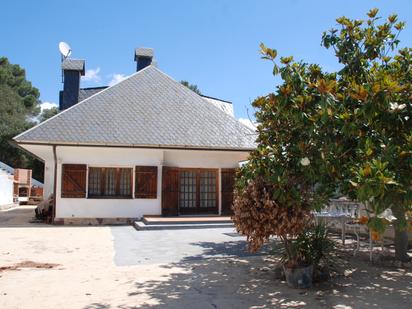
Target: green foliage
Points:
(48, 113)
(312, 247)
(374, 101)
(353, 127)
(192, 87)
(19, 105)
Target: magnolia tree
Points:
(286, 176)
(349, 130)
(372, 110)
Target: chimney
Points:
(72, 70)
(143, 56)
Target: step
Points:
(184, 220)
(142, 226)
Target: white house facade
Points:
(145, 146)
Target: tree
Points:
(19, 105)
(48, 113)
(373, 112)
(352, 126)
(286, 177)
(192, 87)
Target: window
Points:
(73, 181)
(146, 182)
(109, 182)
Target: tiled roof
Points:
(73, 65)
(149, 109)
(84, 93)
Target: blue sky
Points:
(214, 44)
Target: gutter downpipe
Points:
(54, 185)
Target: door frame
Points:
(200, 210)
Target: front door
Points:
(198, 191)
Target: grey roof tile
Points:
(148, 108)
(84, 93)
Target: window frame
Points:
(102, 183)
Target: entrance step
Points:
(183, 222)
(141, 226)
(158, 220)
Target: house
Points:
(145, 146)
(23, 185)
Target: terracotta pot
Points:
(299, 277)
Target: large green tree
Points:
(348, 130)
(19, 107)
(373, 111)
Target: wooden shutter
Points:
(228, 182)
(74, 180)
(146, 182)
(170, 191)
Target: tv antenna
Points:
(65, 51)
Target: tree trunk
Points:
(401, 237)
(401, 245)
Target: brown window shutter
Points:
(146, 182)
(228, 182)
(74, 180)
(170, 191)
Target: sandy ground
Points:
(84, 272)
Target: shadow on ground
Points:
(249, 282)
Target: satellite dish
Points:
(65, 49)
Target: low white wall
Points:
(6, 190)
(128, 157)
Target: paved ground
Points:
(118, 267)
(17, 216)
(172, 246)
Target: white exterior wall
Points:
(124, 157)
(6, 189)
(107, 208)
(48, 179)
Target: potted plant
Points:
(297, 269)
(307, 257)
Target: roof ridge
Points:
(98, 87)
(214, 98)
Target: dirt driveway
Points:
(118, 267)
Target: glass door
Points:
(188, 191)
(198, 191)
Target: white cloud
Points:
(248, 123)
(47, 105)
(92, 75)
(117, 78)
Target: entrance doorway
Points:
(198, 191)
